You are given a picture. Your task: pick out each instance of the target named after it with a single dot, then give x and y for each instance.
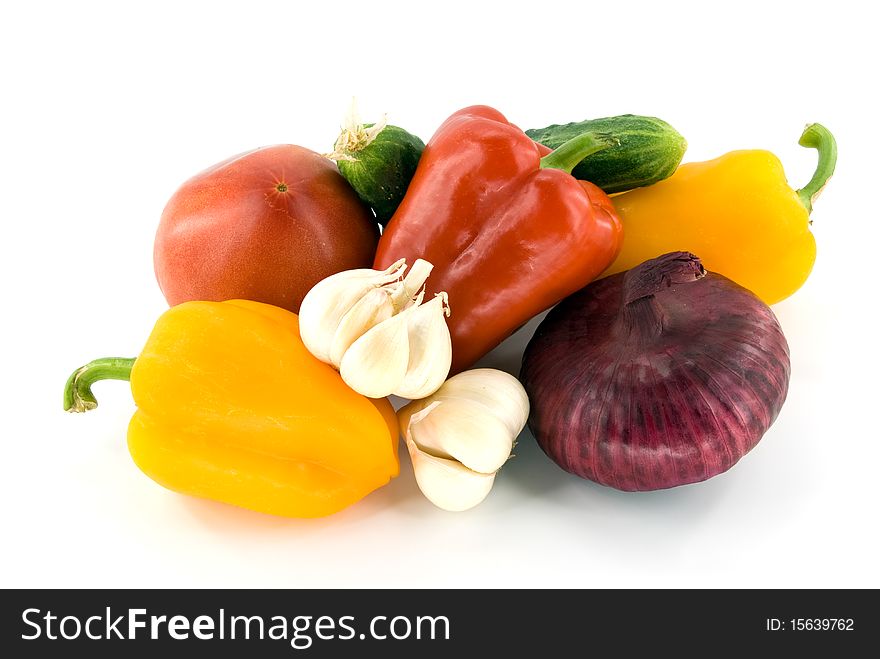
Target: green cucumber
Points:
(378, 162)
(648, 150)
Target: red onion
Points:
(655, 377)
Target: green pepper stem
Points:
(816, 136)
(78, 396)
(570, 153)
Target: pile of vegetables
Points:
(305, 289)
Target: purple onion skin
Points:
(656, 377)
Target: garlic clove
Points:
(446, 483)
(459, 436)
(430, 349)
(376, 363)
(463, 430)
(500, 392)
(404, 292)
(373, 308)
(328, 301)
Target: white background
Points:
(107, 108)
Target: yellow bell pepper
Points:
(232, 407)
(737, 213)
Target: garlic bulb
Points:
(375, 328)
(460, 436)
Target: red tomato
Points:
(266, 225)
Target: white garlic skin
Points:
(373, 327)
(461, 435)
(447, 483)
(327, 303)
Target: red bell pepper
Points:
(510, 233)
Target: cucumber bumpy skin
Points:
(379, 165)
(648, 150)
